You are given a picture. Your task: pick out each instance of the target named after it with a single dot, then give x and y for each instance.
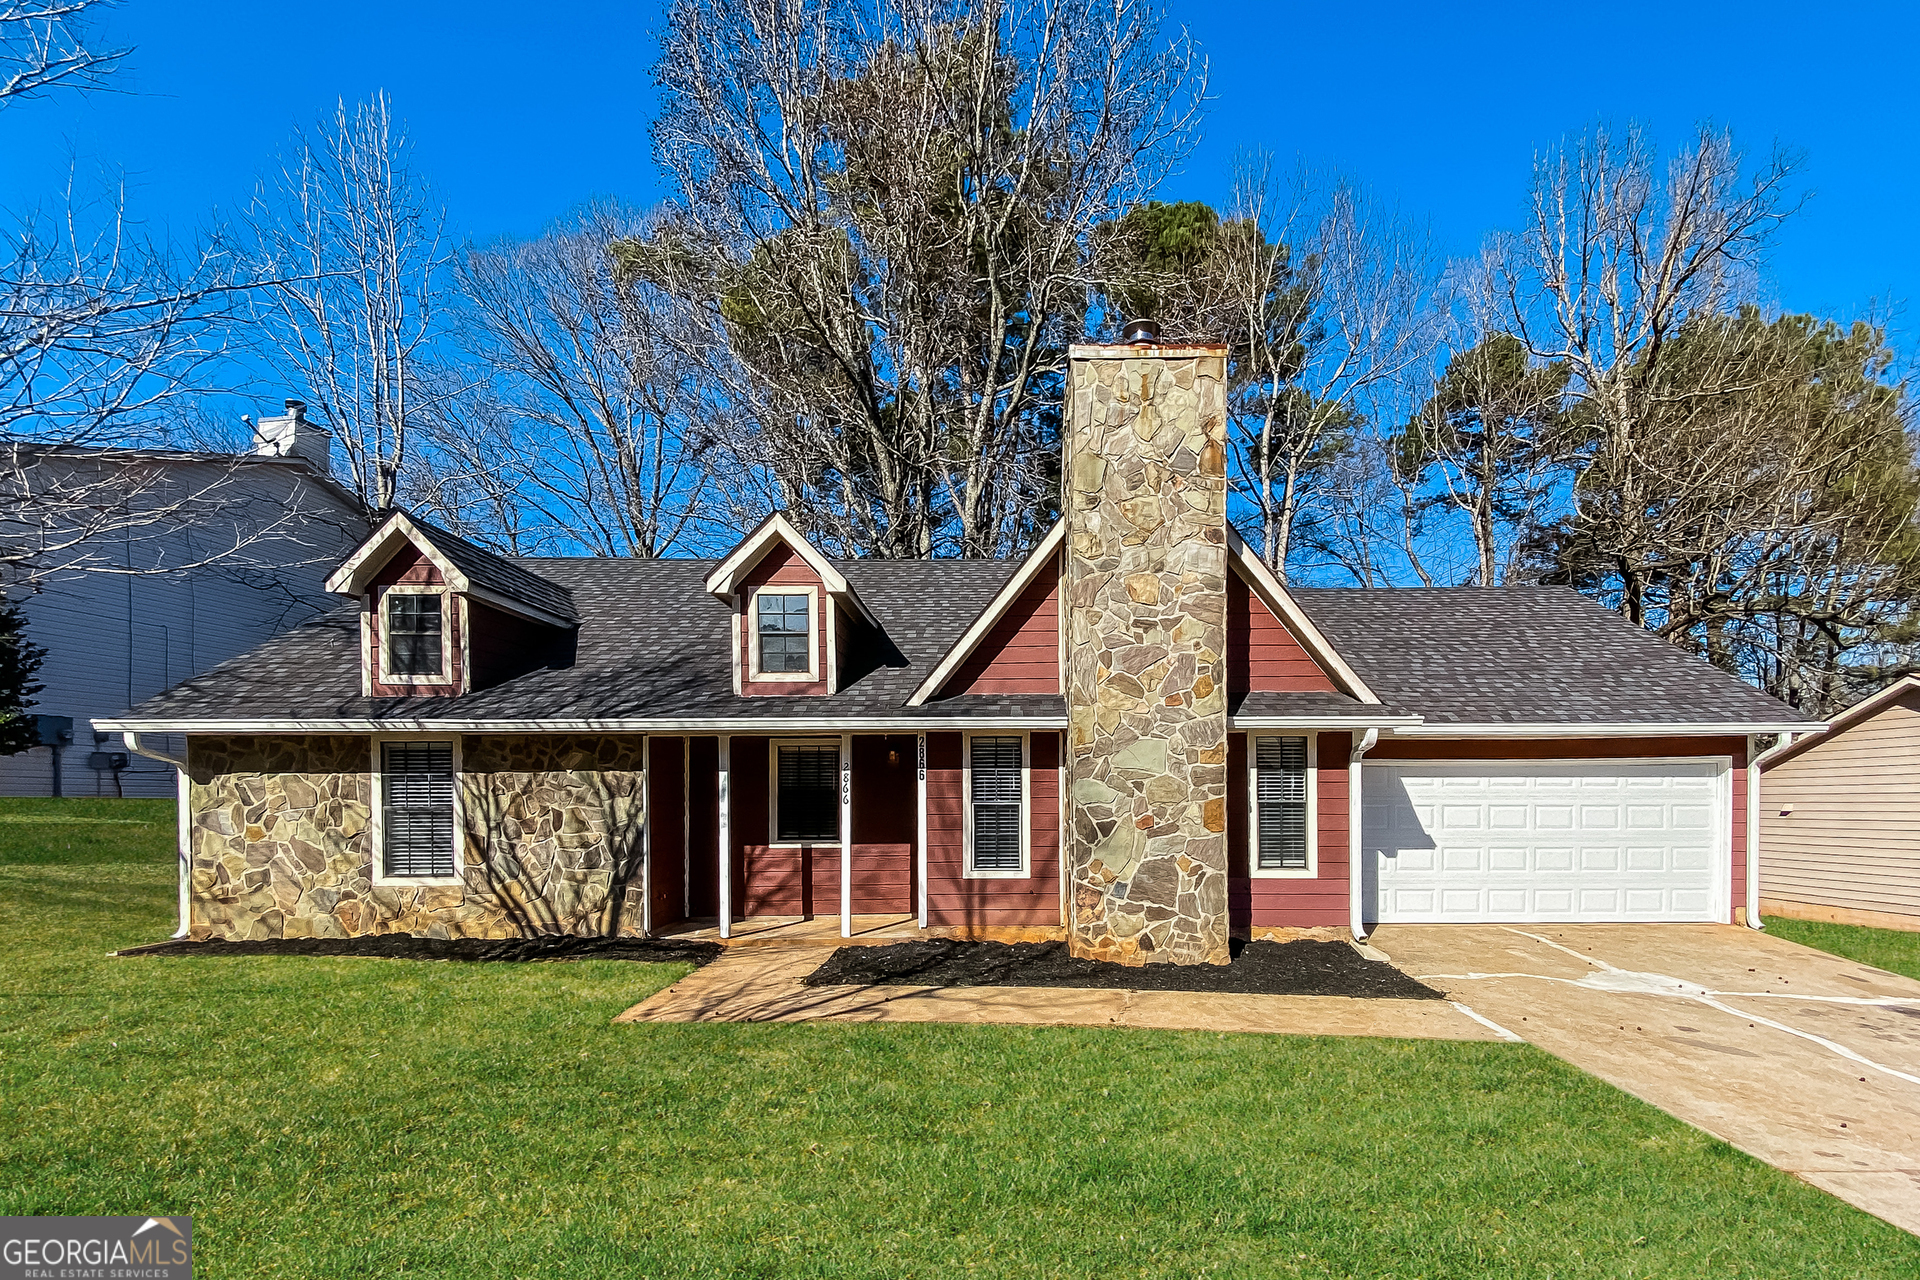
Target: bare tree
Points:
(1490, 443)
(106, 334)
(1363, 315)
(1616, 258)
(584, 426)
(47, 45)
(358, 252)
(880, 234)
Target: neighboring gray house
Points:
(258, 533)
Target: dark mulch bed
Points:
(1303, 968)
(400, 946)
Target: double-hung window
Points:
(413, 625)
(416, 810)
(784, 632)
(1280, 805)
(806, 802)
(996, 805)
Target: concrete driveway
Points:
(1802, 1059)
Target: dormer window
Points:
(414, 626)
(782, 630)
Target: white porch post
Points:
(1356, 810)
(725, 826)
(183, 847)
(846, 835)
(920, 842)
(646, 837)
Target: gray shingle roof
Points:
(501, 575)
(1515, 655)
(653, 645)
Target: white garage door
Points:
(1544, 841)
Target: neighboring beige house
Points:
(1840, 817)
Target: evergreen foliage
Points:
(20, 660)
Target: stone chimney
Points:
(292, 436)
(1146, 500)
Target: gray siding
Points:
(1852, 839)
(114, 639)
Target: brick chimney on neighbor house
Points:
(292, 436)
(1146, 599)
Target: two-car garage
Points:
(1461, 841)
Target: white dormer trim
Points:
(727, 576)
(355, 575)
(1029, 569)
(1273, 593)
(357, 571)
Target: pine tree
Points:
(20, 658)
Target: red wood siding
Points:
(1602, 749)
(782, 567)
(954, 900)
(409, 568)
(1264, 902)
(502, 645)
(774, 880)
(1021, 654)
(667, 828)
(1261, 653)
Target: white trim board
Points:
(970, 639)
(725, 579)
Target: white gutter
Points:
(1753, 836)
(1398, 724)
(921, 839)
(183, 826)
(1638, 730)
(1356, 809)
(775, 725)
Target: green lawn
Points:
(389, 1118)
(1894, 950)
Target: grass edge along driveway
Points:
(390, 1118)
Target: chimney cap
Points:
(296, 408)
(1141, 332)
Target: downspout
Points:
(1753, 834)
(921, 833)
(183, 824)
(1356, 873)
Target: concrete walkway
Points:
(1797, 1057)
(762, 984)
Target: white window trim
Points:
(447, 637)
(842, 763)
(1312, 870)
(969, 871)
(377, 820)
(812, 674)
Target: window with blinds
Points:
(1280, 770)
(416, 832)
(807, 794)
(785, 632)
(995, 797)
(413, 634)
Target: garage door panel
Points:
(1456, 841)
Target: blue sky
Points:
(1438, 108)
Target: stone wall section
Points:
(282, 840)
(1147, 616)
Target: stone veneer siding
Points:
(1147, 616)
(282, 840)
